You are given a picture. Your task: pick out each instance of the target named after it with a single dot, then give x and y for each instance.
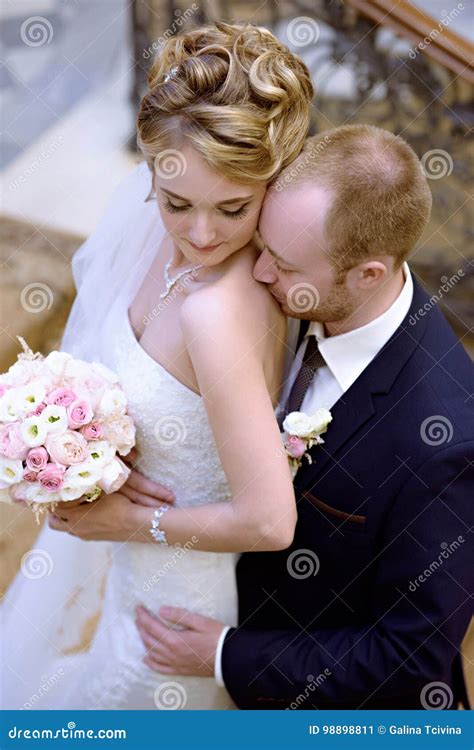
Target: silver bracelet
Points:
(157, 534)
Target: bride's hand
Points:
(110, 518)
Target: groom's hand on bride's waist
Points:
(178, 641)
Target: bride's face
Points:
(208, 216)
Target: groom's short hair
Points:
(382, 201)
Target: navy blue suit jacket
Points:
(370, 604)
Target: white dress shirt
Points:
(346, 356)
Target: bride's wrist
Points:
(138, 523)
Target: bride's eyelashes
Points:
(239, 214)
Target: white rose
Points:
(35, 493)
(101, 452)
(10, 409)
(54, 418)
(114, 475)
(298, 423)
(30, 396)
(78, 369)
(72, 492)
(33, 431)
(84, 475)
(113, 402)
(11, 471)
(57, 361)
(121, 432)
(320, 420)
(105, 372)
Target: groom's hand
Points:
(190, 650)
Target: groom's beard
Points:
(336, 306)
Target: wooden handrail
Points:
(439, 42)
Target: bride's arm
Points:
(227, 355)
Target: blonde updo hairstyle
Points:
(234, 93)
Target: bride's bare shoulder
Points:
(235, 295)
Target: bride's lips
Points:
(208, 249)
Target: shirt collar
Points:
(348, 354)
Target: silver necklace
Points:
(172, 281)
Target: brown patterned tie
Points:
(312, 361)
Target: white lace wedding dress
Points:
(47, 623)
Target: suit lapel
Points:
(356, 406)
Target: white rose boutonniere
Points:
(302, 431)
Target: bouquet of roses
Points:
(62, 423)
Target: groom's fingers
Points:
(146, 486)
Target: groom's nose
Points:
(263, 269)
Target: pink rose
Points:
(37, 459)
(296, 447)
(92, 431)
(67, 447)
(36, 412)
(61, 397)
(79, 413)
(51, 478)
(30, 476)
(11, 443)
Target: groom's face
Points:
(294, 262)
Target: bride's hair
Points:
(234, 93)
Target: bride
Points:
(166, 298)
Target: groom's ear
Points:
(369, 275)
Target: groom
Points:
(369, 605)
